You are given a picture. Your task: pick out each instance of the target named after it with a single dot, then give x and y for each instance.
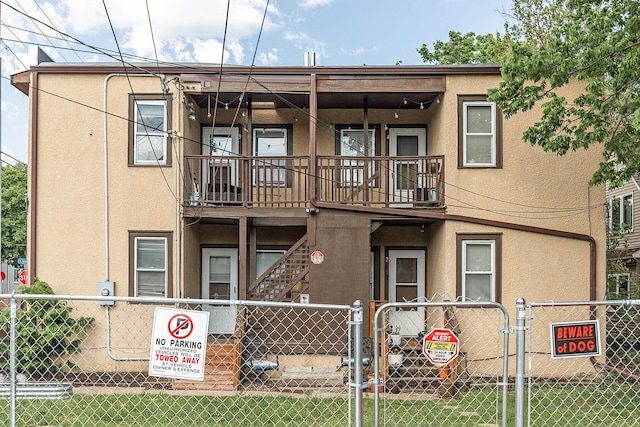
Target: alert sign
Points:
(317, 257)
(575, 339)
(178, 343)
(441, 346)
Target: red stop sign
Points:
(441, 346)
(23, 277)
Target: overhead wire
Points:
(42, 32)
(291, 105)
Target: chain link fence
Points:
(447, 365)
(574, 382)
(85, 362)
(67, 361)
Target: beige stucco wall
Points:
(70, 222)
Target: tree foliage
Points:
(469, 48)
(14, 212)
(552, 43)
(46, 333)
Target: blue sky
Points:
(342, 32)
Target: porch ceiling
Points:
(325, 100)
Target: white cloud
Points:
(307, 4)
(174, 25)
(269, 58)
(305, 42)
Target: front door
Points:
(220, 282)
(404, 172)
(406, 283)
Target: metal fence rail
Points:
(582, 389)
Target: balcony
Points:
(283, 182)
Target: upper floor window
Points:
(479, 267)
(150, 259)
(150, 117)
(351, 144)
(479, 133)
(621, 212)
(273, 143)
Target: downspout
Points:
(313, 160)
(106, 213)
(488, 222)
(33, 181)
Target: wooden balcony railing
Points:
(256, 181)
(408, 182)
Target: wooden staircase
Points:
(221, 372)
(285, 279)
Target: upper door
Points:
(407, 283)
(221, 143)
(220, 282)
(404, 173)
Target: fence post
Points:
(357, 358)
(520, 350)
(12, 361)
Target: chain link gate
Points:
(79, 360)
(470, 389)
(569, 386)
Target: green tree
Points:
(14, 212)
(469, 48)
(554, 42)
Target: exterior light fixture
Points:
(192, 112)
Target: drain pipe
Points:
(106, 205)
(109, 352)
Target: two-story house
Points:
(330, 184)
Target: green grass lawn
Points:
(553, 406)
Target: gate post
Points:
(357, 360)
(520, 350)
(12, 360)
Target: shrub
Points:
(45, 333)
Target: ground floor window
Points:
(479, 267)
(150, 261)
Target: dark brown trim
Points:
(497, 238)
(499, 140)
(135, 97)
(132, 268)
(32, 261)
(197, 71)
(440, 214)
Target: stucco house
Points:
(327, 184)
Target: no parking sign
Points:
(178, 343)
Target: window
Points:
(274, 144)
(150, 260)
(350, 144)
(621, 212)
(149, 124)
(479, 133)
(618, 284)
(479, 267)
(265, 259)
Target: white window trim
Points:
(617, 277)
(620, 199)
(150, 132)
(263, 251)
(492, 272)
(349, 178)
(276, 176)
(135, 263)
(466, 104)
